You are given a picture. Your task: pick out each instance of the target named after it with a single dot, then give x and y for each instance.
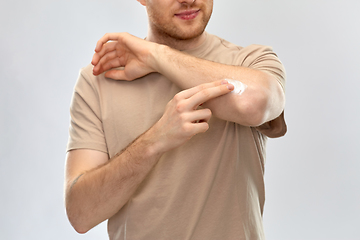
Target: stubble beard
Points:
(177, 34)
(167, 31)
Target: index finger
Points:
(107, 37)
(192, 91)
(207, 94)
(105, 49)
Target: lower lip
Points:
(188, 16)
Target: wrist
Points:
(150, 144)
(157, 57)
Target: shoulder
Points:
(87, 78)
(248, 54)
(226, 52)
(218, 42)
(87, 73)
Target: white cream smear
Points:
(239, 87)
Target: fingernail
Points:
(230, 87)
(224, 82)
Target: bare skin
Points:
(173, 25)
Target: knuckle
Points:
(182, 118)
(186, 128)
(208, 112)
(180, 107)
(177, 97)
(123, 35)
(105, 58)
(111, 65)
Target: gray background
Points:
(312, 179)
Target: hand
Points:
(182, 118)
(115, 50)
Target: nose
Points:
(188, 2)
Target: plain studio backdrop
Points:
(312, 174)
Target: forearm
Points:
(262, 101)
(187, 71)
(100, 193)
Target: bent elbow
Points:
(255, 111)
(256, 118)
(77, 221)
(81, 230)
(78, 226)
(262, 108)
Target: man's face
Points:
(179, 19)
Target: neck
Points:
(178, 44)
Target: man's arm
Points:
(262, 101)
(96, 189)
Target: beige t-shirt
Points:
(211, 187)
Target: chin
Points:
(187, 34)
(185, 37)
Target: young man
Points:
(161, 143)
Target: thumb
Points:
(117, 74)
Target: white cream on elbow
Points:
(239, 87)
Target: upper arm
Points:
(80, 161)
(86, 121)
(86, 147)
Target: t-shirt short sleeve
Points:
(263, 58)
(86, 130)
